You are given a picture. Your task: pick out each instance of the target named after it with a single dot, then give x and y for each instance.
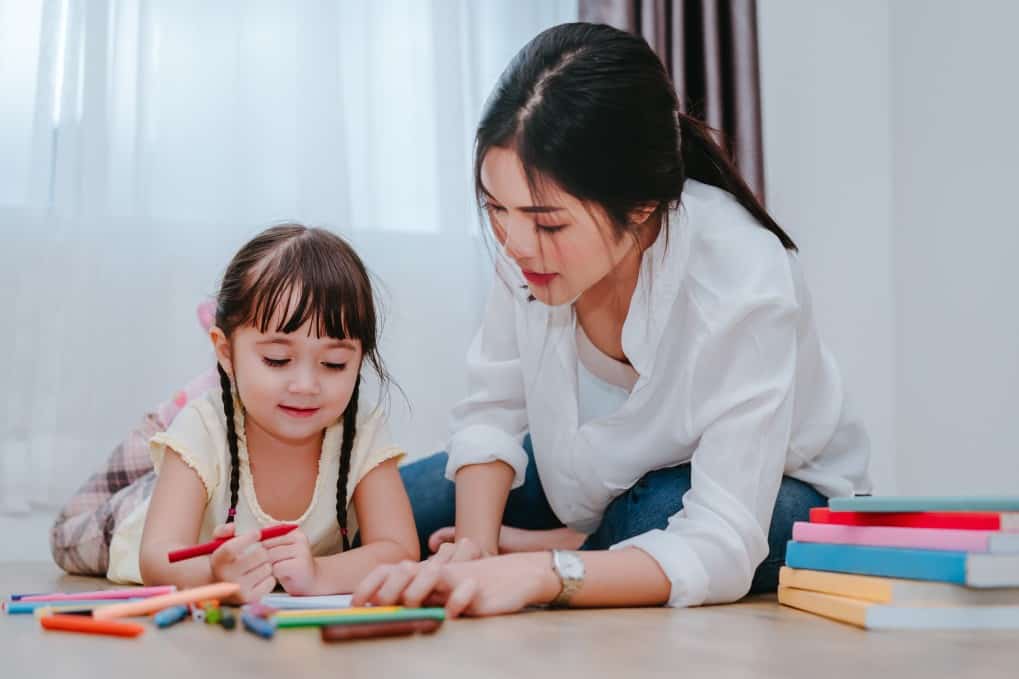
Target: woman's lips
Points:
(298, 412)
(535, 278)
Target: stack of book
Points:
(907, 563)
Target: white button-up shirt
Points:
(733, 379)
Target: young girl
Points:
(651, 334)
(281, 440)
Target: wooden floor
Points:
(756, 638)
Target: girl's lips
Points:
(539, 278)
(298, 412)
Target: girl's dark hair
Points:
(591, 109)
(289, 275)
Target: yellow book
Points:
(870, 615)
(893, 590)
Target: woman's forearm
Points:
(481, 493)
(625, 577)
(341, 573)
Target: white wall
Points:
(825, 90)
(890, 134)
(955, 122)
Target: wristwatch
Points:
(570, 569)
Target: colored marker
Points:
(75, 623)
(258, 626)
(28, 607)
(210, 547)
(170, 616)
(132, 593)
(220, 590)
(228, 621)
(372, 630)
(316, 612)
(361, 617)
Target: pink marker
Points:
(103, 595)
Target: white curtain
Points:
(143, 141)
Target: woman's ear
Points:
(221, 345)
(642, 213)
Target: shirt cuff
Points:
(479, 444)
(680, 563)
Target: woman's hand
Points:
(244, 561)
(447, 549)
(493, 586)
(293, 566)
(514, 540)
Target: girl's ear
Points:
(221, 345)
(640, 214)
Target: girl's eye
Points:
(493, 208)
(275, 362)
(335, 366)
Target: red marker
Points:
(210, 547)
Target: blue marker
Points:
(170, 616)
(260, 626)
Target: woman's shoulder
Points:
(730, 257)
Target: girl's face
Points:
(563, 246)
(292, 385)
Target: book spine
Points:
(883, 561)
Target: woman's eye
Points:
(335, 366)
(551, 228)
(275, 362)
(493, 208)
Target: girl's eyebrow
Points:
(334, 344)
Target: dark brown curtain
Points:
(710, 49)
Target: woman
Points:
(648, 385)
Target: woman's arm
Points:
(505, 584)
(481, 493)
(388, 535)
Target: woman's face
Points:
(563, 246)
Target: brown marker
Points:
(372, 630)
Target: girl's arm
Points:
(388, 535)
(174, 521)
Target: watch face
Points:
(570, 566)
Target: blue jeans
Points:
(645, 506)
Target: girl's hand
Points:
(502, 584)
(292, 563)
(244, 561)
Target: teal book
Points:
(961, 568)
(876, 503)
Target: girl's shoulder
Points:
(371, 439)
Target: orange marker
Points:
(77, 623)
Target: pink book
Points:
(940, 539)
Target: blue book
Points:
(972, 570)
(890, 503)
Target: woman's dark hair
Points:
(591, 109)
(290, 275)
